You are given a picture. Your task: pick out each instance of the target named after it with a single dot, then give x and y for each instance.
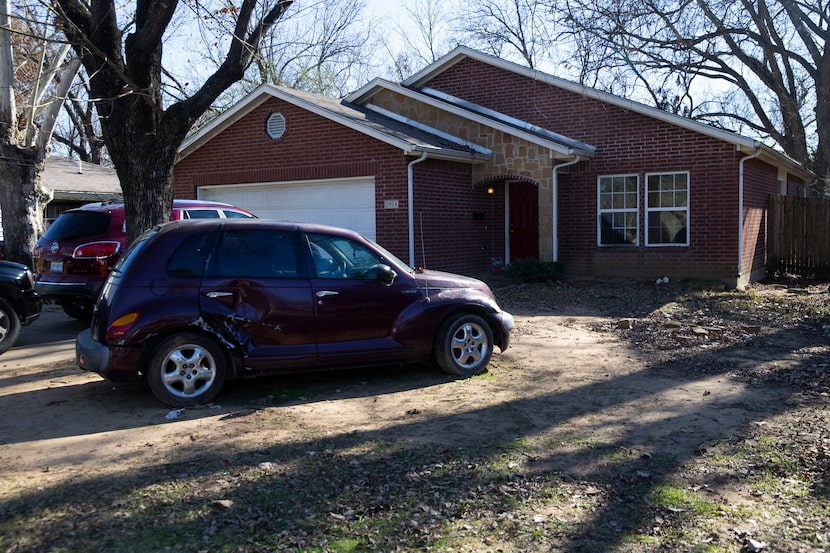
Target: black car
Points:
(19, 303)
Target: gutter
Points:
(410, 195)
(757, 153)
(555, 205)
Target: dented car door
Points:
(256, 295)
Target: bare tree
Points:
(422, 34)
(79, 132)
(37, 79)
(766, 62)
(326, 49)
(511, 27)
(126, 81)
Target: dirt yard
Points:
(625, 416)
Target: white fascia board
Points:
(472, 116)
(365, 92)
(480, 150)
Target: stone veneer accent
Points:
(513, 158)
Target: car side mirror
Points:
(385, 274)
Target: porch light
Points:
(490, 190)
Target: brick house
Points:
(476, 159)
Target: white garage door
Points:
(346, 203)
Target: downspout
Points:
(555, 205)
(741, 209)
(410, 195)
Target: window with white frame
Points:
(618, 198)
(667, 209)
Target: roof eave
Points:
(366, 94)
(450, 155)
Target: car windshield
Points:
(389, 255)
(78, 224)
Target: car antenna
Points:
(423, 256)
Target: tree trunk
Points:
(23, 200)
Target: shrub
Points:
(533, 270)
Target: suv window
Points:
(256, 254)
(77, 224)
(235, 214)
(201, 213)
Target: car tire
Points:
(79, 311)
(186, 369)
(464, 345)
(9, 326)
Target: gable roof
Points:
(743, 143)
(565, 146)
(408, 136)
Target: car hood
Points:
(11, 270)
(438, 279)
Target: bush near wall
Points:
(533, 270)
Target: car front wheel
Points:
(9, 326)
(186, 369)
(464, 345)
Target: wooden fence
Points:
(798, 239)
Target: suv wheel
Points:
(464, 345)
(9, 326)
(186, 369)
(80, 311)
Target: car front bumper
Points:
(507, 324)
(32, 304)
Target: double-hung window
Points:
(667, 209)
(618, 212)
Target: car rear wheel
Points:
(464, 345)
(9, 326)
(186, 369)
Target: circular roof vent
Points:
(275, 127)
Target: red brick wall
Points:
(760, 181)
(313, 147)
(626, 142)
(455, 239)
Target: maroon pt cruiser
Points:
(193, 303)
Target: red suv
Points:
(74, 256)
(193, 303)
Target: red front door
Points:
(524, 220)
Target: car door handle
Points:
(214, 295)
(324, 293)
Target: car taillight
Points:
(96, 249)
(122, 325)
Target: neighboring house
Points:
(476, 159)
(73, 183)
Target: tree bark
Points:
(23, 200)
(143, 137)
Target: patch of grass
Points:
(673, 497)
